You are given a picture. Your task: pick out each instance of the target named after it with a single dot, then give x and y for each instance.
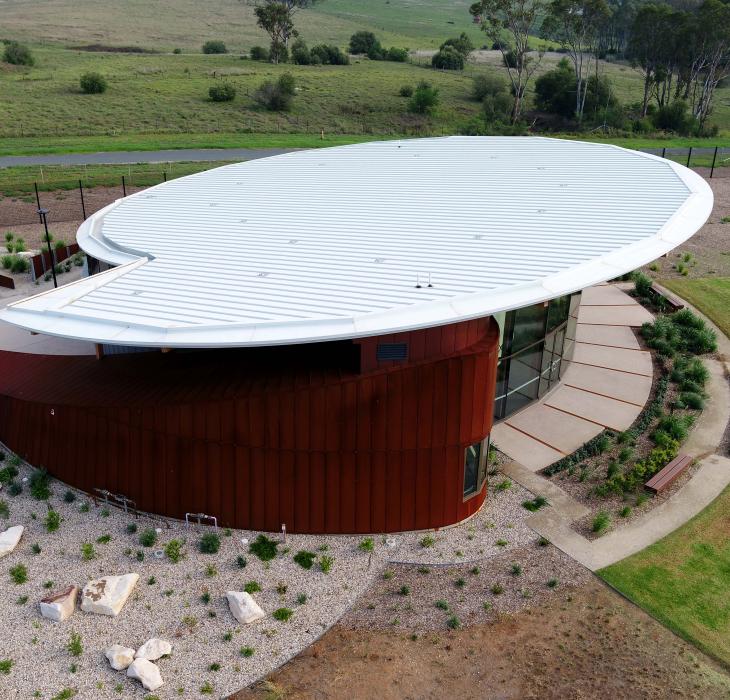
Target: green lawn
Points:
(710, 296)
(684, 579)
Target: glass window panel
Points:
(471, 467)
(558, 311)
(524, 376)
(529, 326)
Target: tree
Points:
(362, 42)
(276, 96)
(555, 90)
(575, 24)
(462, 44)
(519, 18)
(276, 18)
(653, 48)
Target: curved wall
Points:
(324, 438)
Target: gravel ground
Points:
(468, 591)
(167, 600)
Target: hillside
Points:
(186, 24)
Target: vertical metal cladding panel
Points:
(321, 450)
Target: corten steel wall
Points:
(259, 438)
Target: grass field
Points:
(153, 94)
(710, 296)
(683, 580)
(167, 24)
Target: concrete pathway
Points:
(132, 157)
(606, 385)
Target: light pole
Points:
(44, 216)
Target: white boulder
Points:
(60, 606)
(146, 673)
(243, 607)
(119, 657)
(107, 596)
(9, 539)
(154, 649)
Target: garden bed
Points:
(608, 474)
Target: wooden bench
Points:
(674, 303)
(664, 478)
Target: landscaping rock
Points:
(9, 539)
(107, 596)
(60, 606)
(146, 673)
(119, 657)
(243, 607)
(154, 649)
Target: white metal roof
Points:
(332, 243)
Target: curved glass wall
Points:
(535, 344)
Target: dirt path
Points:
(588, 643)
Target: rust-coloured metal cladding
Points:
(326, 438)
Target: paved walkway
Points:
(712, 477)
(606, 385)
(131, 157)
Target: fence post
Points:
(38, 202)
(689, 156)
(83, 206)
(664, 152)
(164, 175)
(124, 187)
(714, 158)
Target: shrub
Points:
(222, 93)
(503, 485)
(300, 53)
(487, 85)
(104, 539)
(367, 544)
(625, 512)
(252, 587)
(397, 55)
(87, 551)
(6, 665)
(642, 285)
(69, 497)
(7, 261)
(692, 400)
(325, 564)
(209, 543)
(7, 474)
(461, 44)
(173, 551)
(282, 614)
(497, 589)
(131, 528)
(552, 583)
(93, 83)
(406, 91)
(53, 521)
(19, 265)
(276, 96)
(259, 53)
(427, 541)
(673, 117)
(40, 487)
(214, 46)
(305, 559)
(601, 522)
(18, 54)
(516, 570)
(19, 574)
(594, 447)
(264, 548)
(441, 605)
(675, 426)
(448, 58)
(247, 652)
(74, 646)
(404, 590)
(148, 538)
(362, 42)
(14, 488)
(329, 55)
(241, 561)
(535, 504)
(453, 623)
(4, 510)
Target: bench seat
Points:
(665, 477)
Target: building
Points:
(339, 328)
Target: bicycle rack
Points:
(200, 518)
(118, 500)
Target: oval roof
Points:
(368, 239)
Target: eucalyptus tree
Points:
(519, 19)
(576, 26)
(276, 18)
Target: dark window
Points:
(392, 351)
(475, 467)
